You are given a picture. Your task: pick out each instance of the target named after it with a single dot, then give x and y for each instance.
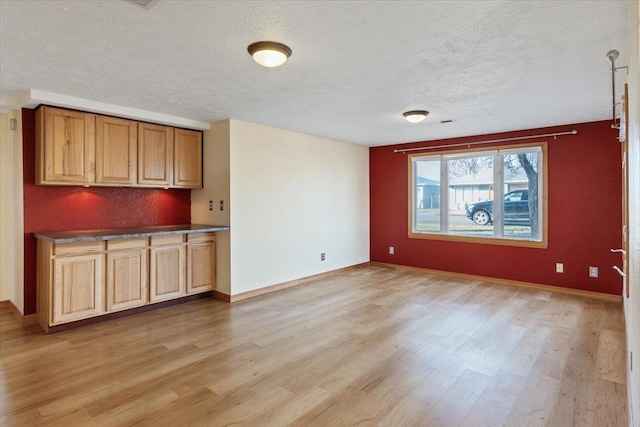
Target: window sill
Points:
(482, 240)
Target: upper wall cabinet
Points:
(76, 148)
(65, 145)
(155, 155)
(187, 158)
(116, 154)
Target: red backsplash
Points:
(60, 208)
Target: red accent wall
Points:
(60, 208)
(584, 202)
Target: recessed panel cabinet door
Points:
(65, 146)
(155, 155)
(126, 279)
(116, 151)
(200, 267)
(166, 273)
(77, 287)
(187, 158)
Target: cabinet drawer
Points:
(170, 239)
(78, 248)
(200, 237)
(134, 243)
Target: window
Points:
(494, 196)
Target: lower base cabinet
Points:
(126, 274)
(201, 266)
(80, 280)
(77, 287)
(167, 268)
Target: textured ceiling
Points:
(356, 65)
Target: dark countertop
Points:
(123, 233)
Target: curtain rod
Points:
(469, 144)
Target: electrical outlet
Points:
(559, 267)
(210, 205)
(221, 205)
(593, 271)
(392, 250)
(322, 256)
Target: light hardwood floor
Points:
(372, 346)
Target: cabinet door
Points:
(65, 146)
(116, 151)
(166, 273)
(187, 158)
(155, 155)
(126, 279)
(201, 264)
(77, 287)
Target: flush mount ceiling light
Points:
(269, 54)
(415, 116)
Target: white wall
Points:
(11, 211)
(290, 196)
(294, 196)
(632, 304)
(215, 188)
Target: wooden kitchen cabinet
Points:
(116, 151)
(166, 272)
(77, 148)
(89, 273)
(201, 262)
(77, 288)
(187, 158)
(155, 155)
(65, 145)
(77, 283)
(126, 272)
